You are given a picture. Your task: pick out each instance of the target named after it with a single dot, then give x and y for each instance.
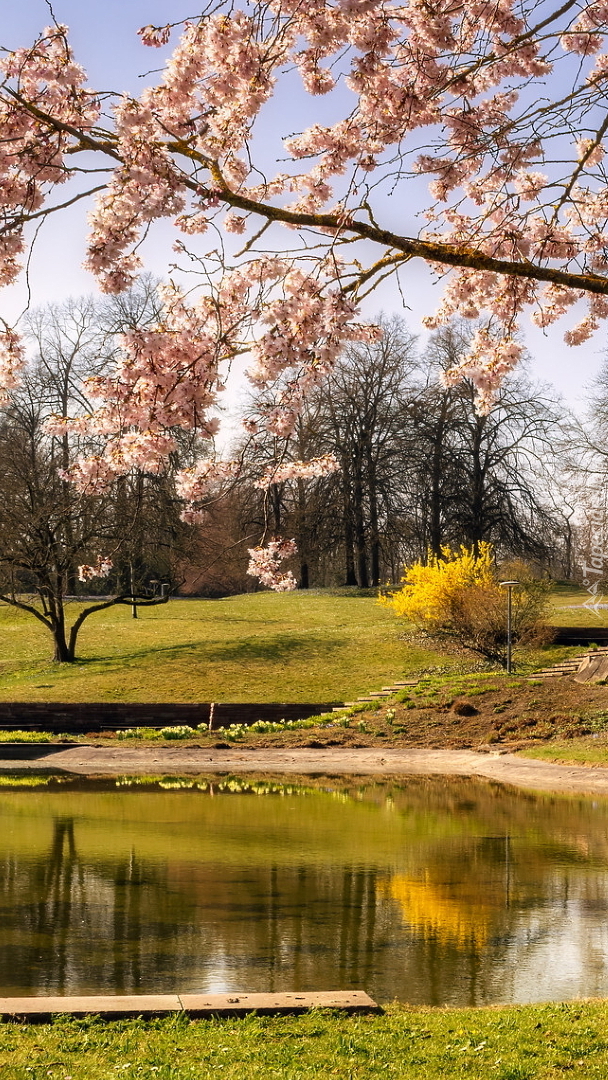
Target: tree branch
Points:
(125, 598)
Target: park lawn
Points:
(586, 750)
(303, 646)
(540, 1042)
(567, 608)
(318, 645)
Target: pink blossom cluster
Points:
(12, 358)
(35, 140)
(309, 326)
(91, 475)
(154, 36)
(488, 360)
(265, 563)
(202, 482)
(101, 569)
(298, 470)
(167, 377)
(432, 93)
(195, 483)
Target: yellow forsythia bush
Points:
(428, 590)
(459, 596)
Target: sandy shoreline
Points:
(501, 768)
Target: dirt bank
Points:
(502, 768)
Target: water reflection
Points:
(430, 891)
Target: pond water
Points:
(428, 890)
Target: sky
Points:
(104, 37)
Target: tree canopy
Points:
(465, 133)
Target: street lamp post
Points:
(133, 600)
(509, 585)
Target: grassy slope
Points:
(261, 647)
(303, 646)
(531, 1043)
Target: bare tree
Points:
(47, 527)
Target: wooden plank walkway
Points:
(41, 1009)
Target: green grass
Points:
(321, 645)
(582, 751)
(314, 646)
(567, 610)
(526, 1043)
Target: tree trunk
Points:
(374, 529)
(478, 489)
(275, 505)
(349, 542)
(360, 552)
(437, 481)
(302, 535)
(64, 653)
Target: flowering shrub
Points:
(459, 596)
(428, 588)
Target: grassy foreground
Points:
(515, 1043)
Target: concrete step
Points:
(115, 1007)
(548, 675)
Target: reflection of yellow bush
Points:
(463, 921)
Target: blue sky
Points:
(103, 34)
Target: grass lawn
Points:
(303, 646)
(588, 750)
(321, 645)
(567, 608)
(515, 1043)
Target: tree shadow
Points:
(19, 751)
(277, 647)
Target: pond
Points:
(428, 890)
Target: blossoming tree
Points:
(484, 120)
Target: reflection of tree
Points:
(401, 891)
(462, 919)
(56, 881)
(72, 921)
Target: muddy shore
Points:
(119, 760)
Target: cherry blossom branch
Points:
(48, 210)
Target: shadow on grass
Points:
(268, 649)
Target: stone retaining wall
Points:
(91, 717)
(580, 635)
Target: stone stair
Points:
(566, 667)
(379, 695)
